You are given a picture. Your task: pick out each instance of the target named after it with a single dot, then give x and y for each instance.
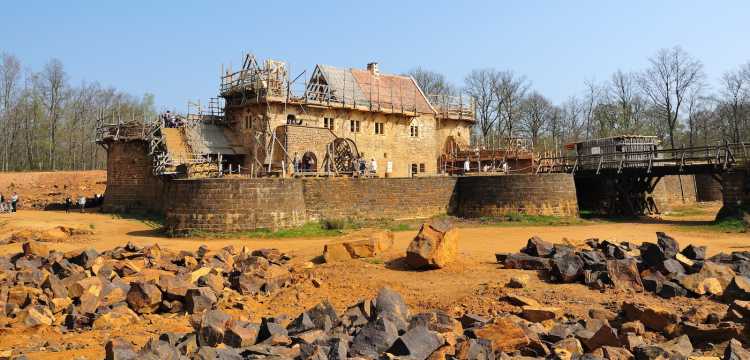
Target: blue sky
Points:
(174, 49)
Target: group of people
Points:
(170, 120)
(367, 168)
(82, 202)
(9, 204)
(487, 167)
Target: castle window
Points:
(354, 126)
(421, 167)
(328, 123)
(414, 131)
(413, 169)
(291, 120)
(379, 128)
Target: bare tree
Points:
(510, 89)
(10, 71)
(480, 84)
(734, 98)
(53, 86)
(668, 81)
(536, 110)
(696, 104)
(431, 82)
(591, 100)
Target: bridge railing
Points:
(724, 156)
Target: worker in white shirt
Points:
(373, 167)
(467, 165)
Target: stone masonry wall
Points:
(674, 191)
(245, 204)
(232, 204)
(131, 185)
(549, 194)
(378, 198)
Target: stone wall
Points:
(131, 185)
(736, 191)
(231, 204)
(675, 190)
(378, 198)
(548, 194)
(707, 188)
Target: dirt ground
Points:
(39, 189)
(474, 283)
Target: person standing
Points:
(373, 167)
(82, 203)
(467, 165)
(296, 162)
(68, 204)
(14, 202)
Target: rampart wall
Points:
(232, 204)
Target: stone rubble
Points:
(385, 328)
(88, 289)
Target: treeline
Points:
(49, 123)
(671, 98)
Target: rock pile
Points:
(661, 267)
(89, 289)
(384, 328)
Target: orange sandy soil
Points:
(38, 189)
(474, 283)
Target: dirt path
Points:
(474, 283)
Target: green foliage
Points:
(516, 219)
(311, 229)
(153, 221)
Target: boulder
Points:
(668, 245)
(241, 335)
(671, 289)
(652, 255)
(535, 246)
(540, 313)
(616, 353)
(738, 289)
(435, 246)
(213, 324)
(119, 349)
(119, 317)
(199, 299)
(361, 244)
(527, 262)
(33, 248)
(605, 335)
(503, 335)
(735, 351)
(694, 252)
(567, 268)
(633, 327)
(417, 343)
(518, 281)
(654, 317)
(374, 338)
(624, 274)
(144, 297)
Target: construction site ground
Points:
(474, 283)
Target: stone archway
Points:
(309, 162)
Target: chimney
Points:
(373, 68)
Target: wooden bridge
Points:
(631, 176)
(713, 159)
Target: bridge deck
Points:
(695, 160)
